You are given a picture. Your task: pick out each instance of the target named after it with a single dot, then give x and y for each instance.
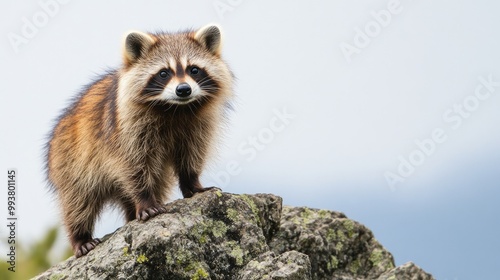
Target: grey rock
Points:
(290, 265)
(336, 246)
(406, 271)
(217, 235)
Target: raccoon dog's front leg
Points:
(189, 184)
(147, 204)
(80, 213)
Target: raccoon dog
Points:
(135, 131)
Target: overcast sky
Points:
(385, 110)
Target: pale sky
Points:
(332, 98)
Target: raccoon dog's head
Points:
(175, 68)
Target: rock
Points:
(217, 235)
(336, 246)
(406, 271)
(290, 265)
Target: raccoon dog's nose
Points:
(183, 90)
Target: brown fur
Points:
(116, 144)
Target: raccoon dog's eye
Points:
(163, 74)
(194, 70)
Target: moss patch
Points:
(232, 214)
(142, 258)
(333, 264)
(341, 236)
(236, 252)
(253, 207)
(324, 214)
(339, 246)
(376, 257)
(349, 226)
(218, 228)
(306, 214)
(355, 266)
(331, 236)
(203, 231)
(56, 277)
(200, 274)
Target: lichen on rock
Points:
(216, 235)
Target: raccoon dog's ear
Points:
(210, 37)
(136, 44)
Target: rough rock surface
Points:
(217, 235)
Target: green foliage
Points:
(35, 258)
